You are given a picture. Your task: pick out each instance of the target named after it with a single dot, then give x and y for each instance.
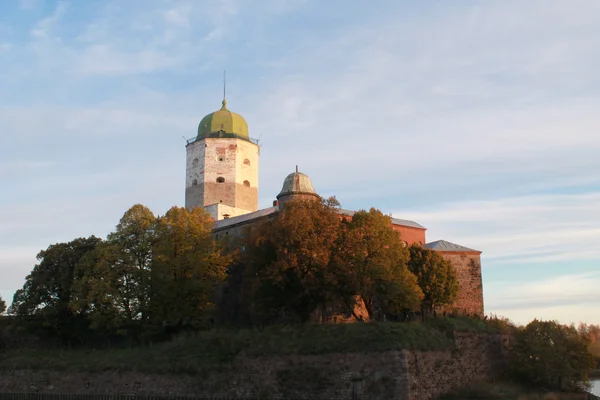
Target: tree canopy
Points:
(548, 354)
(150, 274)
(373, 265)
(2, 306)
(48, 289)
(188, 268)
(435, 276)
(308, 258)
(289, 260)
(159, 274)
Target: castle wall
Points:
(399, 374)
(409, 234)
(467, 266)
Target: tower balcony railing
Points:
(221, 134)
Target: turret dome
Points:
(297, 185)
(223, 121)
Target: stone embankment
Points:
(402, 374)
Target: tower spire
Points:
(224, 102)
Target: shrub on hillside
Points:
(549, 355)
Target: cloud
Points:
(568, 298)
(44, 28)
(535, 228)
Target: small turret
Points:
(297, 186)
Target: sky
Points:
(479, 120)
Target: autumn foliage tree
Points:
(306, 259)
(187, 270)
(373, 266)
(435, 276)
(150, 275)
(289, 260)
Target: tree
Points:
(435, 276)
(188, 267)
(553, 356)
(289, 260)
(48, 289)
(116, 281)
(2, 306)
(373, 263)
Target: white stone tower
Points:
(222, 166)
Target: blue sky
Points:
(477, 119)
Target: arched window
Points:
(221, 158)
(247, 183)
(194, 182)
(220, 180)
(246, 162)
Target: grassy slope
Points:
(210, 348)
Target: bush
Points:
(552, 356)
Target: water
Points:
(596, 388)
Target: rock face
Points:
(401, 374)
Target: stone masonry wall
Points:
(477, 358)
(403, 375)
(468, 272)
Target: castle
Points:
(222, 176)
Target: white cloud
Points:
(528, 228)
(567, 298)
(44, 28)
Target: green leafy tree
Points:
(552, 356)
(372, 262)
(48, 289)
(2, 306)
(435, 276)
(188, 268)
(289, 260)
(116, 276)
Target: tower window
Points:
(195, 162)
(194, 182)
(221, 158)
(246, 162)
(247, 183)
(220, 180)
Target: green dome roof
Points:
(223, 120)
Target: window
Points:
(195, 162)
(221, 158)
(246, 183)
(220, 180)
(194, 182)
(246, 162)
